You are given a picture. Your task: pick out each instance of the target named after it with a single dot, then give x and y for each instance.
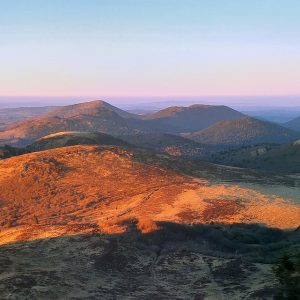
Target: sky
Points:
(149, 48)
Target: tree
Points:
(287, 272)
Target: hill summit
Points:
(189, 119)
(244, 131)
(90, 116)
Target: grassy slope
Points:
(245, 131)
(276, 158)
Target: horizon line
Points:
(146, 96)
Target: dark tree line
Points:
(287, 272)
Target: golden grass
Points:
(84, 189)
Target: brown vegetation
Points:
(88, 189)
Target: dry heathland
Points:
(82, 189)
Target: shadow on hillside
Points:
(195, 168)
(176, 261)
(211, 171)
(254, 242)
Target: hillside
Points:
(171, 144)
(129, 188)
(189, 119)
(276, 158)
(120, 219)
(90, 108)
(12, 115)
(89, 116)
(293, 124)
(8, 151)
(72, 138)
(245, 131)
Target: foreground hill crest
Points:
(84, 189)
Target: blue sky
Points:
(149, 48)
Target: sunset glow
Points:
(153, 48)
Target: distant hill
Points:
(216, 127)
(72, 138)
(12, 115)
(90, 116)
(91, 108)
(189, 119)
(171, 144)
(245, 131)
(293, 124)
(64, 139)
(271, 157)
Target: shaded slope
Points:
(189, 119)
(276, 158)
(8, 151)
(245, 131)
(171, 144)
(12, 115)
(176, 262)
(89, 116)
(72, 138)
(293, 124)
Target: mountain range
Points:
(210, 127)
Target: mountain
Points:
(91, 108)
(72, 138)
(12, 115)
(245, 131)
(189, 119)
(118, 222)
(276, 158)
(293, 124)
(88, 116)
(103, 117)
(172, 144)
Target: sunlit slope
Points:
(12, 115)
(89, 116)
(82, 189)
